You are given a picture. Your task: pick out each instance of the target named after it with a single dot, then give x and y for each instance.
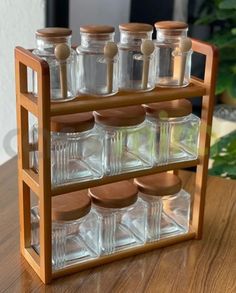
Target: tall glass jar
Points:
(174, 58)
(74, 229)
(176, 131)
(137, 57)
(76, 149)
(98, 62)
(121, 217)
(127, 139)
(54, 46)
(168, 206)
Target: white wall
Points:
(18, 22)
(111, 12)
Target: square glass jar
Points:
(97, 61)
(74, 229)
(127, 139)
(54, 46)
(176, 131)
(174, 54)
(137, 57)
(121, 217)
(76, 149)
(168, 206)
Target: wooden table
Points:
(208, 265)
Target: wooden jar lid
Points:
(136, 27)
(78, 122)
(125, 116)
(54, 32)
(159, 184)
(171, 25)
(97, 29)
(171, 109)
(114, 195)
(70, 206)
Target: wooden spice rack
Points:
(40, 183)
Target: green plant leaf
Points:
(227, 4)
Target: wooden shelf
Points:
(70, 187)
(123, 99)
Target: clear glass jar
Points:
(76, 149)
(137, 68)
(174, 56)
(54, 46)
(168, 206)
(176, 131)
(74, 229)
(98, 61)
(127, 139)
(121, 216)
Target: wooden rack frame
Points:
(40, 183)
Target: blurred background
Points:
(212, 20)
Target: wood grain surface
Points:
(207, 265)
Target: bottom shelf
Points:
(123, 254)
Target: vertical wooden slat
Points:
(205, 133)
(44, 172)
(23, 157)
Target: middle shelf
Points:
(32, 179)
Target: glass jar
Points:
(168, 206)
(127, 139)
(74, 229)
(54, 46)
(98, 62)
(76, 149)
(137, 57)
(174, 58)
(121, 216)
(176, 131)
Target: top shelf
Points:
(123, 99)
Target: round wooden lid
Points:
(128, 116)
(78, 122)
(54, 32)
(114, 195)
(159, 184)
(171, 109)
(97, 29)
(71, 206)
(171, 25)
(136, 27)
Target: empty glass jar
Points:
(176, 131)
(121, 216)
(137, 57)
(174, 58)
(168, 206)
(76, 149)
(127, 139)
(74, 229)
(54, 46)
(97, 54)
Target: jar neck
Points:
(95, 41)
(134, 38)
(47, 45)
(167, 35)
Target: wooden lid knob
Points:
(159, 184)
(62, 52)
(115, 195)
(78, 122)
(71, 206)
(170, 109)
(128, 116)
(54, 32)
(97, 29)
